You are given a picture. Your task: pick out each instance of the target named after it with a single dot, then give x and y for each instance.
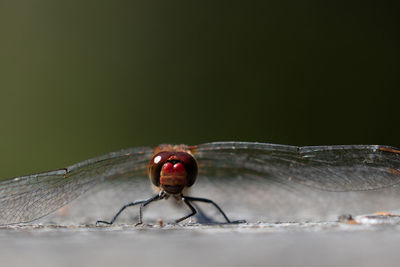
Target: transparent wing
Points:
(328, 168)
(24, 199)
(270, 182)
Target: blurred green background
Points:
(82, 78)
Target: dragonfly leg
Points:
(159, 196)
(194, 211)
(142, 202)
(208, 201)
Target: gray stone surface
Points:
(290, 244)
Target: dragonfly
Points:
(173, 169)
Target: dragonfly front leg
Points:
(194, 211)
(159, 196)
(208, 201)
(186, 200)
(142, 204)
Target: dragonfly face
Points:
(172, 169)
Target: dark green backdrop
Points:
(81, 78)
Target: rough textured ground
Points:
(288, 244)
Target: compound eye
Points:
(156, 164)
(190, 165)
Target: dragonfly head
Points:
(173, 171)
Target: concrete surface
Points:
(293, 244)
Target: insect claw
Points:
(99, 222)
(237, 222)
